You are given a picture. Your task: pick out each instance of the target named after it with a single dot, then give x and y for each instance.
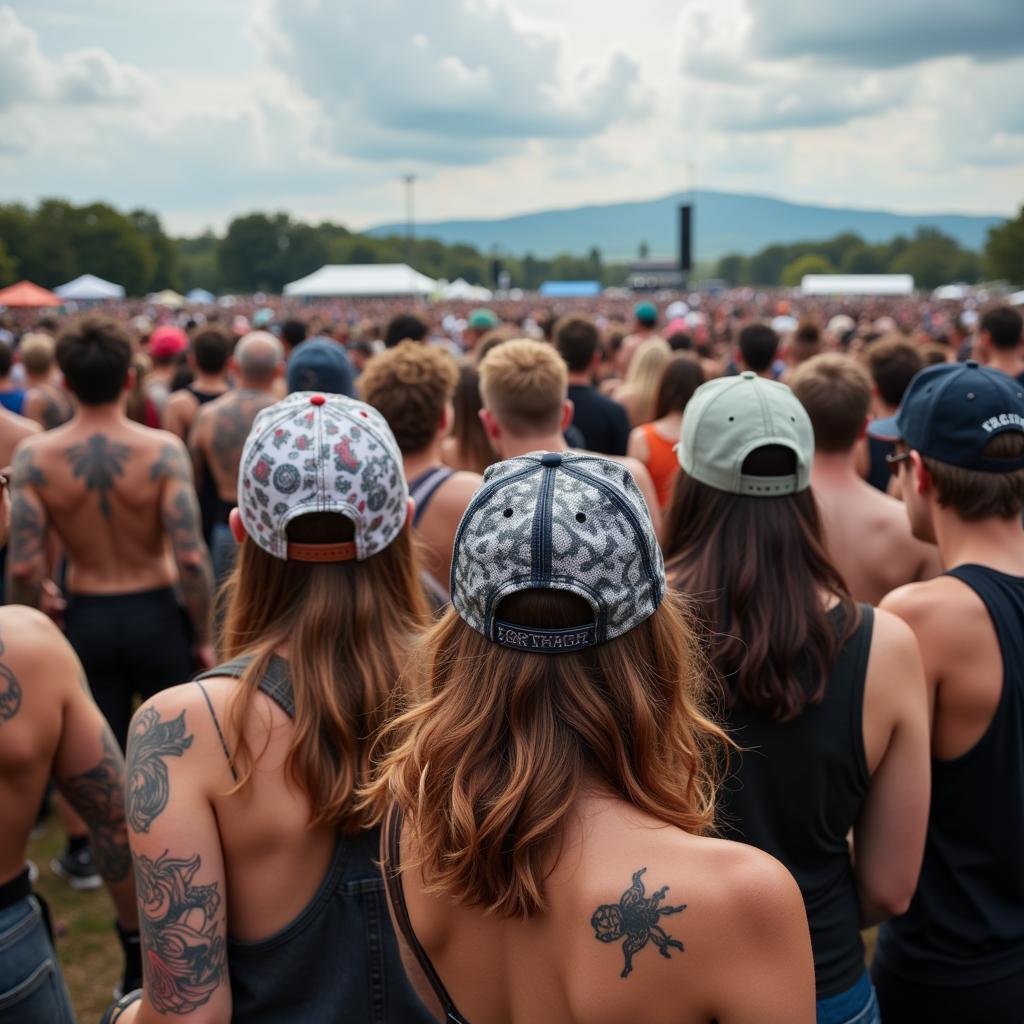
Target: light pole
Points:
(410, 182)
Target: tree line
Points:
(57, 240)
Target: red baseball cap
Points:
(167, 341)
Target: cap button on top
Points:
(972, 363)
(748, 375)
(551, 459)
(317, 400)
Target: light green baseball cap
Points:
(730, 417)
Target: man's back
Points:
(219, 432)
(967, 919)
(13, 430)
(100, 486)
(869, 539)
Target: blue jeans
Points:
(31, 986)
(223, 549)
(857, 1005)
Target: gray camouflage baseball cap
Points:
(730, 417)
(557, 521)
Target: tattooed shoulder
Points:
(634, 920)
(10, 689)
(150, 742)
(172, 464)
(25, 472)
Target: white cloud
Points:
(404, 78)
(84, 76)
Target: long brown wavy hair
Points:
(347, 627)
(760, 577)
(487, 765)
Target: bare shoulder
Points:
(27, 630)
(35, 648)
(937, 601)
(459, 488)
(180, 714)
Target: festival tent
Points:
(200, 297)
(956, 292)
(90, 288)
(570, 289)
(857, 284)
(168, 297)
(1016, 299)
(335, 280)
(461, 289)
(26, 295)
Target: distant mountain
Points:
(724, 222)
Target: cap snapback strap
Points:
(343, 552)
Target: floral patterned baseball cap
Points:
(557, 521)
(321, 453)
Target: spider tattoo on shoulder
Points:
(634, 919)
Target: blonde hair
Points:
(836, 392)
(347, 627)
(38, 352)
(524, 383)
(487, 766)
(643, 378)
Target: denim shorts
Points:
(31, 986)
(857, 1005)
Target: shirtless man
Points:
(208, 359)
(413, 386)
(46, 402)
(51, 728)
(120, 498)
(958, 952)
(869, 539)
(221, 427)
(524, 388)
(1001, 341)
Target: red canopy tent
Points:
(26, 295)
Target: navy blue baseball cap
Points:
(951, 411)
(321, 365)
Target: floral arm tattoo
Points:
(10, 690)
(634, 919)
(151, 740)
(184, 956)
(98, 796)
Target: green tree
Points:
(8, 266)
(932, 258)
(1004, 250)
(862, 259)
(252, 255)
(809, 263)
(732, 268)
(165, 253)
(766, 266)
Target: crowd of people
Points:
(594, 664)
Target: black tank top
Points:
(337, 960)
(796, 791)
(965, 925)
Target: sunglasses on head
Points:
(894, 459)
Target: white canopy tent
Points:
(334, 280)
(1016, 299)
(200, 297)
(89, 288)
(461, 289)
(857, 284)
(957, 292)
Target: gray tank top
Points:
(337, 960)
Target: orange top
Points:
(662, 462)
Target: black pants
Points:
(904, 1002)
(129, 644)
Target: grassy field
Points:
(90, 954)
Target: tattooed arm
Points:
(26, 552)
(179, 867)
(179, 509)
(89, 771)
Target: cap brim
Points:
(885, 430)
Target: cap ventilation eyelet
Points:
(581, 517)
(508, 513)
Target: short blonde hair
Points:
(523, 384)
(38, 352)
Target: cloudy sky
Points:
(207, 108)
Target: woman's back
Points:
(632, 904)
